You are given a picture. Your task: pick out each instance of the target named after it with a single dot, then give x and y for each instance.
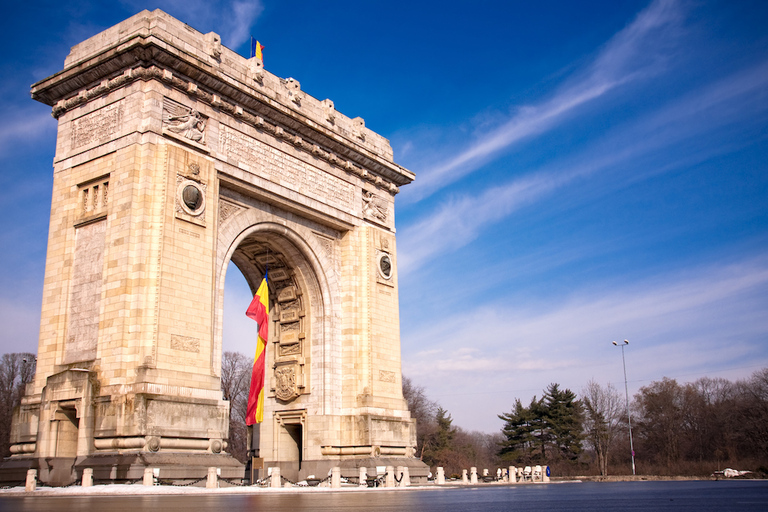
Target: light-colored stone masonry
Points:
(174, 157)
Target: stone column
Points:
(440, 476)
(87, 477)
(512, 475)
(335, 477)
(149, 476)
(464, 478)
(213, 479)
(31, 483)
(473, 475)
(363, 477)
(390, 480)
(275, 478)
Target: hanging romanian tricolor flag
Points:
(256, 48)
(259, 311)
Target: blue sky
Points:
(586, 172)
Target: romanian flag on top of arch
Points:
(259, 311)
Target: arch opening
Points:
(295, 338)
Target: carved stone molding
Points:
(188, 87)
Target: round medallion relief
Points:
(385, 266)
(191, 197)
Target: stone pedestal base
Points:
(122, 468)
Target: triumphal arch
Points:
(176, 156)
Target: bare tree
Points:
(424, 411)
(16, 371)
(235, 383)
(602, 421)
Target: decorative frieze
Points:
(197, 121)
(283, 169)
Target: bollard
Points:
(275, 478)
(545, 474)
(512, 475)
(473, 475)
(405, 477)
(400, 472)
(390, 480)
(31, 483)
(149, 477)
(485, 472)
(87, 477)
(440, 476)
(213, 480)
(464, 479)
(363, 478)
(335, 477)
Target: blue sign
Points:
(548, 471)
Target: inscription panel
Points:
(97, 127)
(87, 277)
(283, 169)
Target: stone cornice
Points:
(228, 84)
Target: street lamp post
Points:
(626, 393)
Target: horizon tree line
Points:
(691, 428)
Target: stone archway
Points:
(303, 353)
(174, 157)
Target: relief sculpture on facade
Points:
(374, 208)
(286, 388)
(184, 121)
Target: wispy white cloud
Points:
(637, 51)
(458, 220)
(245, 15)
(679, 324)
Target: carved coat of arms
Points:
(286, 388)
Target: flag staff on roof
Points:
(256, 49)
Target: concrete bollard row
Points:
(335, 478)
(440, 476)
(31, 483)
(274, 477)
(363, 477)
(389, 481)
(87, 477)
(213, 478)
(405, 476)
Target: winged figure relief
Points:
(187, 122)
